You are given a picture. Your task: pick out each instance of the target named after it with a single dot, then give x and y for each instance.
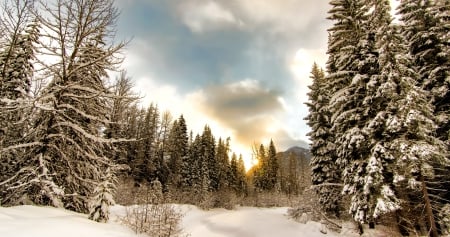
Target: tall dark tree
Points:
(17, 54)
(178, 150)
(273, 167)
(325, 175)
(120, 105)
(210, 168)
(425, 27)
(223, 164)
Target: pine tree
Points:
(425, 27)
(259, 175)
(120, 106)
(178, 149)
(223, 164)
(242, 176)
(233, 177)
(346, 38)
(16, 72)
(325, 174)
(102, 198)
(208, 157)
(382, 89)
(273, 166)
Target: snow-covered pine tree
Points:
(259, 176)
(68, 159)
(242, 176)
(191, 166)
(146, 163)
(425, 28)
(353, 61)
(102, 197)
(233, 177)
(417, 150)
(273, 166)
(223, 164)
(208, 153)
(17, 53)
(325, 175)
(344, 35)
(120, 106)
(382, 89)
(178, 150)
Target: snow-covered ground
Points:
(25, 221)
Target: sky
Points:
(240, 66)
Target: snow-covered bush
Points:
(156, 220)
(103, 198)
(152, 216)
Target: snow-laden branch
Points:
(326, 184)
(88, 135)
(22, 145)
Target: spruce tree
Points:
(178, 150)
(325, 175)
(208, 156)
(241, 176)
(273, 167)
(16, 72)
(223, 164)
(425, 27)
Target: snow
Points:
(24, 221)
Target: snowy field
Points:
(25, 221)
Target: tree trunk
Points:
(432, 232)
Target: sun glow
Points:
(246, 153)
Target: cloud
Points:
(202, 16)
(281, 16)
(249, 112)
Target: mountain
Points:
(294, 172)
(300, 152)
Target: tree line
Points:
(379, 114)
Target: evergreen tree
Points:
(120, 106)
(425, 27)
(259, 174)
(241, 176)
(346, 39)
(272, 171)
(325, 173)
(16, 72)
(102, 198)
(178, 149)
(191, 166)
(223, 163)
(233, 178)
(381, 89)
(208, 156)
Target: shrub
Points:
(152, 216)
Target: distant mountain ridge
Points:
(298, 151)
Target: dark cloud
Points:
(250, 110)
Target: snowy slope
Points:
(26, 221)
(35, 221)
